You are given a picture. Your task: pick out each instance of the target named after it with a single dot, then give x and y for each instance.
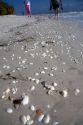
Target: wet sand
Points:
(42, 58)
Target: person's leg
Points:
(57, 12)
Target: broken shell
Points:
(37, 81)
(30, 122)
(42, 72)
(36, 74)
(54, 84)
(55, 123)
(23, 119)
(28, 117)
(46, 119)
(77, 91)
(64, 93)
(32, 88)
(25, 100)
(40, 118)
(9, 110)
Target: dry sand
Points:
(43, 58)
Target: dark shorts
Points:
(55, 6)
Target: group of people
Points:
(55, 5)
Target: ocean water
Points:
(72, 9)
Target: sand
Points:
(41, 57)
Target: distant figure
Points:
(56, 5)
(28, 7)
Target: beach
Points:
(41, 71)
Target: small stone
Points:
(39, 112)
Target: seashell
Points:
(51, 74)
(54, 84)
(40, 118)
(77, 91)
(45, 68)
(42, 72)
(56, 123)
(64, 93)
(14, 90)
(25, 100)
(37, 81)
(30, 122)
(36, 74)
(28, 117)
(32, 107)
(23, 119)
(9, 110)
(46, 119)
(32, 88)
(50, 92)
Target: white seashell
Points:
(56, 123)
(31, 63)
(25, 100)
(23, 119)
(9, 110)
(65, 93)
(36, 74)
(40, 118)
(45, 68)
(51, 74)
(33, 79)
(77, 91)
(37, 81)
(46, 119)
(54, 84)
(28, 117)
(32, 88)
(32, 107)
(14, 90)
(30, 122)
(42, 72)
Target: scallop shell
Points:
(25, 100)
(46, 119)
(23, 119)
(9, 110)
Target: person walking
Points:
(28, 7)
(56, 5)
